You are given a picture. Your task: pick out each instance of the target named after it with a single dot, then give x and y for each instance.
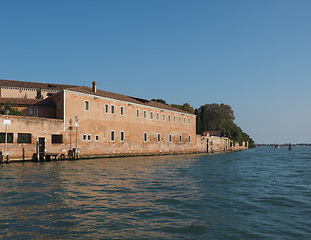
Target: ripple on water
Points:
(258, 194)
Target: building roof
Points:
(34, 85)
(19, 101)
(116, 96)
(28, 101)
(81, 89)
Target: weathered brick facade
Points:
(109, 124)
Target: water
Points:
(263, 193)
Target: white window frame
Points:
(122, 138)
(151, 115)
(122, 111)
(169, 118)
(33, 111)
(107, 108)
(96, 137)
(89, 137)
(174, 119)
(163, 117)
(184, 120)
(179, 120)
(170, 138)
(112, 136)
(189, 121)
(87, 105)
(158, 116)
(159, 137)
(180, 138)
(137, 113)
(189, 139)
(84, 137)
(145, 114)
(113, 109)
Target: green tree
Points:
(220, 117)
(159, 100)
(39, 94)
(12, 111)
(186, 107)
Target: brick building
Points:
(109, 123)
(98, 123)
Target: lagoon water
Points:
(262, 193)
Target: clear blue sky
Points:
(253, 55)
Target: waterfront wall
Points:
(36, 127)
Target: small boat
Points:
(277, 146)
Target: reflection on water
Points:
(250, 194)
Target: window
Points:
(145, 114)
(137, 113)
(151, 115)
(174, 119)
(57, 138)
(84, 137)
(96, 138)
(159, 137)
(112, 109)
(179, 120)
(158, 116)
(184, 120)
(189, 138)
(112, 136)
(122, 136)
(189, 121)
(169, 118)
(33, 111)
(106, 108)
(122, 111)
(87, 105)
(24, 138)
(89, 137)
(163, 117)
(180, 139)
(170, 138)
(145, 137)
(9, 137)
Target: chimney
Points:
(94, 86)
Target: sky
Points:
(252, 55)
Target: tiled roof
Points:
(19, 101)
(46, 102)
(81, 89)
(35, 85)
(28, 101)
(101, 93)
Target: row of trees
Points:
(220, 117)
(215, 117)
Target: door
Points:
(41, 145)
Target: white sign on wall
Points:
(8, 122)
